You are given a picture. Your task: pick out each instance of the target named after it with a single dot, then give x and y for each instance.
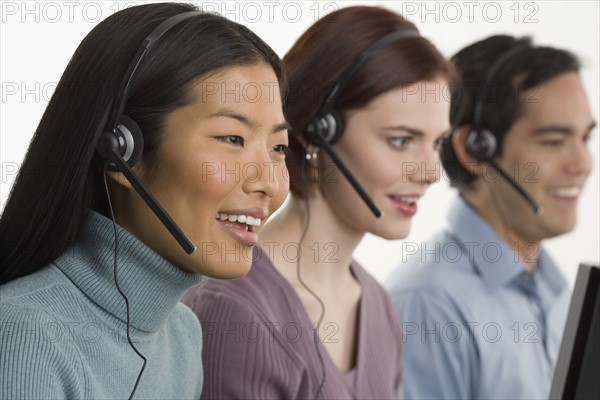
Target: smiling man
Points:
(484, 306)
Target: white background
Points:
(38, 39)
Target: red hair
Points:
(329, 46)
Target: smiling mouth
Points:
(566, 196)
(405, 205)
(572, 192)
(240, 227)
(247, 220)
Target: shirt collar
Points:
(152, 284)
(550, 273)
(495, 262)
(492, 258)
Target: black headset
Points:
(328, 123)
(481, 143)
(121, 143)
(324, 130)
(122, 133)
(327, 127)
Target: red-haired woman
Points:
(308, 321)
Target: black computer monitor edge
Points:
(577, 332)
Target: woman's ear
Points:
(120, 179)
(308, 147)
(311, 148)
(459, 145)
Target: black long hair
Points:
(60, 179)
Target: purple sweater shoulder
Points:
(259, 341)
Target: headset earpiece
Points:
(481, 145)
(328, 126)
(328, 123)
(121, 132)
(126, 139)
(121, 144)
(132, 134)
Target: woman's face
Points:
(220, 172)
(390, 146)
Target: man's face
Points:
(546, 152)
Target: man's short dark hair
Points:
(532, 66)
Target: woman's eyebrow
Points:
(249, 122)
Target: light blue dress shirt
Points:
(476, 325)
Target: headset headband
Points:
(491, 74)
(364, 56)
(137, 61)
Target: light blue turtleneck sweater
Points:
(63, 331)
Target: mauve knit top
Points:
(258, 341)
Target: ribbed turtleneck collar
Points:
(152, 284)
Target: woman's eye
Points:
(281, 148)
(437, 145)
(233, 139)
(400, 141)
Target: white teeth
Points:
(407, 199)
(244, 219)
(567, 192)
